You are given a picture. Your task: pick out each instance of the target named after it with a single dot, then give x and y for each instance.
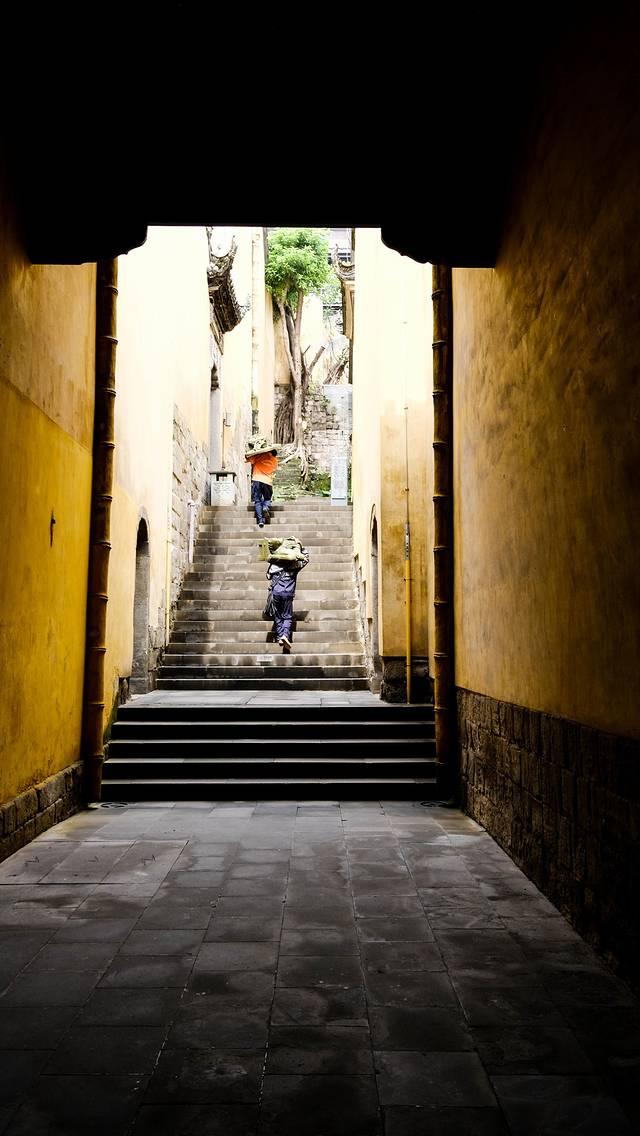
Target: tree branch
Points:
(285, 316)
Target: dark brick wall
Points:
(563, 799)
(37, 809)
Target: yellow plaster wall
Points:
(547, 413)
(263, 336)
(162, 361)
(47, 317)
(392, 369)
(238, 364)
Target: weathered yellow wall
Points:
(238, 361)
(392, 368)
(263, 337)
(547, 410)
(162, 361)
(47, 317)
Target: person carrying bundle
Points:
(263, 458)
(285, 561)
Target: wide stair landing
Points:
(221, 642)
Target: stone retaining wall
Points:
(563, 799)
(37, 809)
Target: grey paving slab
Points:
(423, 1120)
(341, 1049)
(108, 1049)
(425, 1029)
(214, 1077)
(152, 958)
(76, 1105)
(201, 1023)
(319, 1007)
(83, 929)
(126, 1007)
(237, 956)
(557, 1105)
(242, 929)
(250, 988)
(173, 917)
(319, 970)
(132, 972)
(394, 929)
(185, 1120)
(58, 958)
(410, 988)
(34, 1027)
(319, 941)
(326, 1105)
(18, 1070)
(413, 1078)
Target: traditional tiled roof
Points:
(226, 312)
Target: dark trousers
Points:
(261, 497)
(283, 618)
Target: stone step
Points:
(203, 632)
(273, 748)
(267, 682)
(295, 714)
(254, 595)
(237, 600)
(316, 542)
(264, 730)
(276, 788)
(327, 658)
(257, 573)
(154, 760)
(309, 504)
(279, 530)
(244, 641)
(271, 669)
(334, 559)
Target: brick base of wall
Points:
(564, 801)
(393, 686)
(33, 812)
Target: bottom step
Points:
(379, 788)
(300, 684)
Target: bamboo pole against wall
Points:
(444, 689)
(100, 530)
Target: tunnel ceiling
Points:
(422, 141)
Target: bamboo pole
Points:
(100, 546)
(444, 689)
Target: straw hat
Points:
(259, 444)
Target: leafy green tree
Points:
(298, 264)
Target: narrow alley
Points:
(291, 968)
(319, 588)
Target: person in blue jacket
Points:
(282, 574)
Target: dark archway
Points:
(140, 661)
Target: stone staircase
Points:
(183, 743)
(219, 639)
(191, 752)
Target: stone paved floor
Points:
(299, 970)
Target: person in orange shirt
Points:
(263, 467)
